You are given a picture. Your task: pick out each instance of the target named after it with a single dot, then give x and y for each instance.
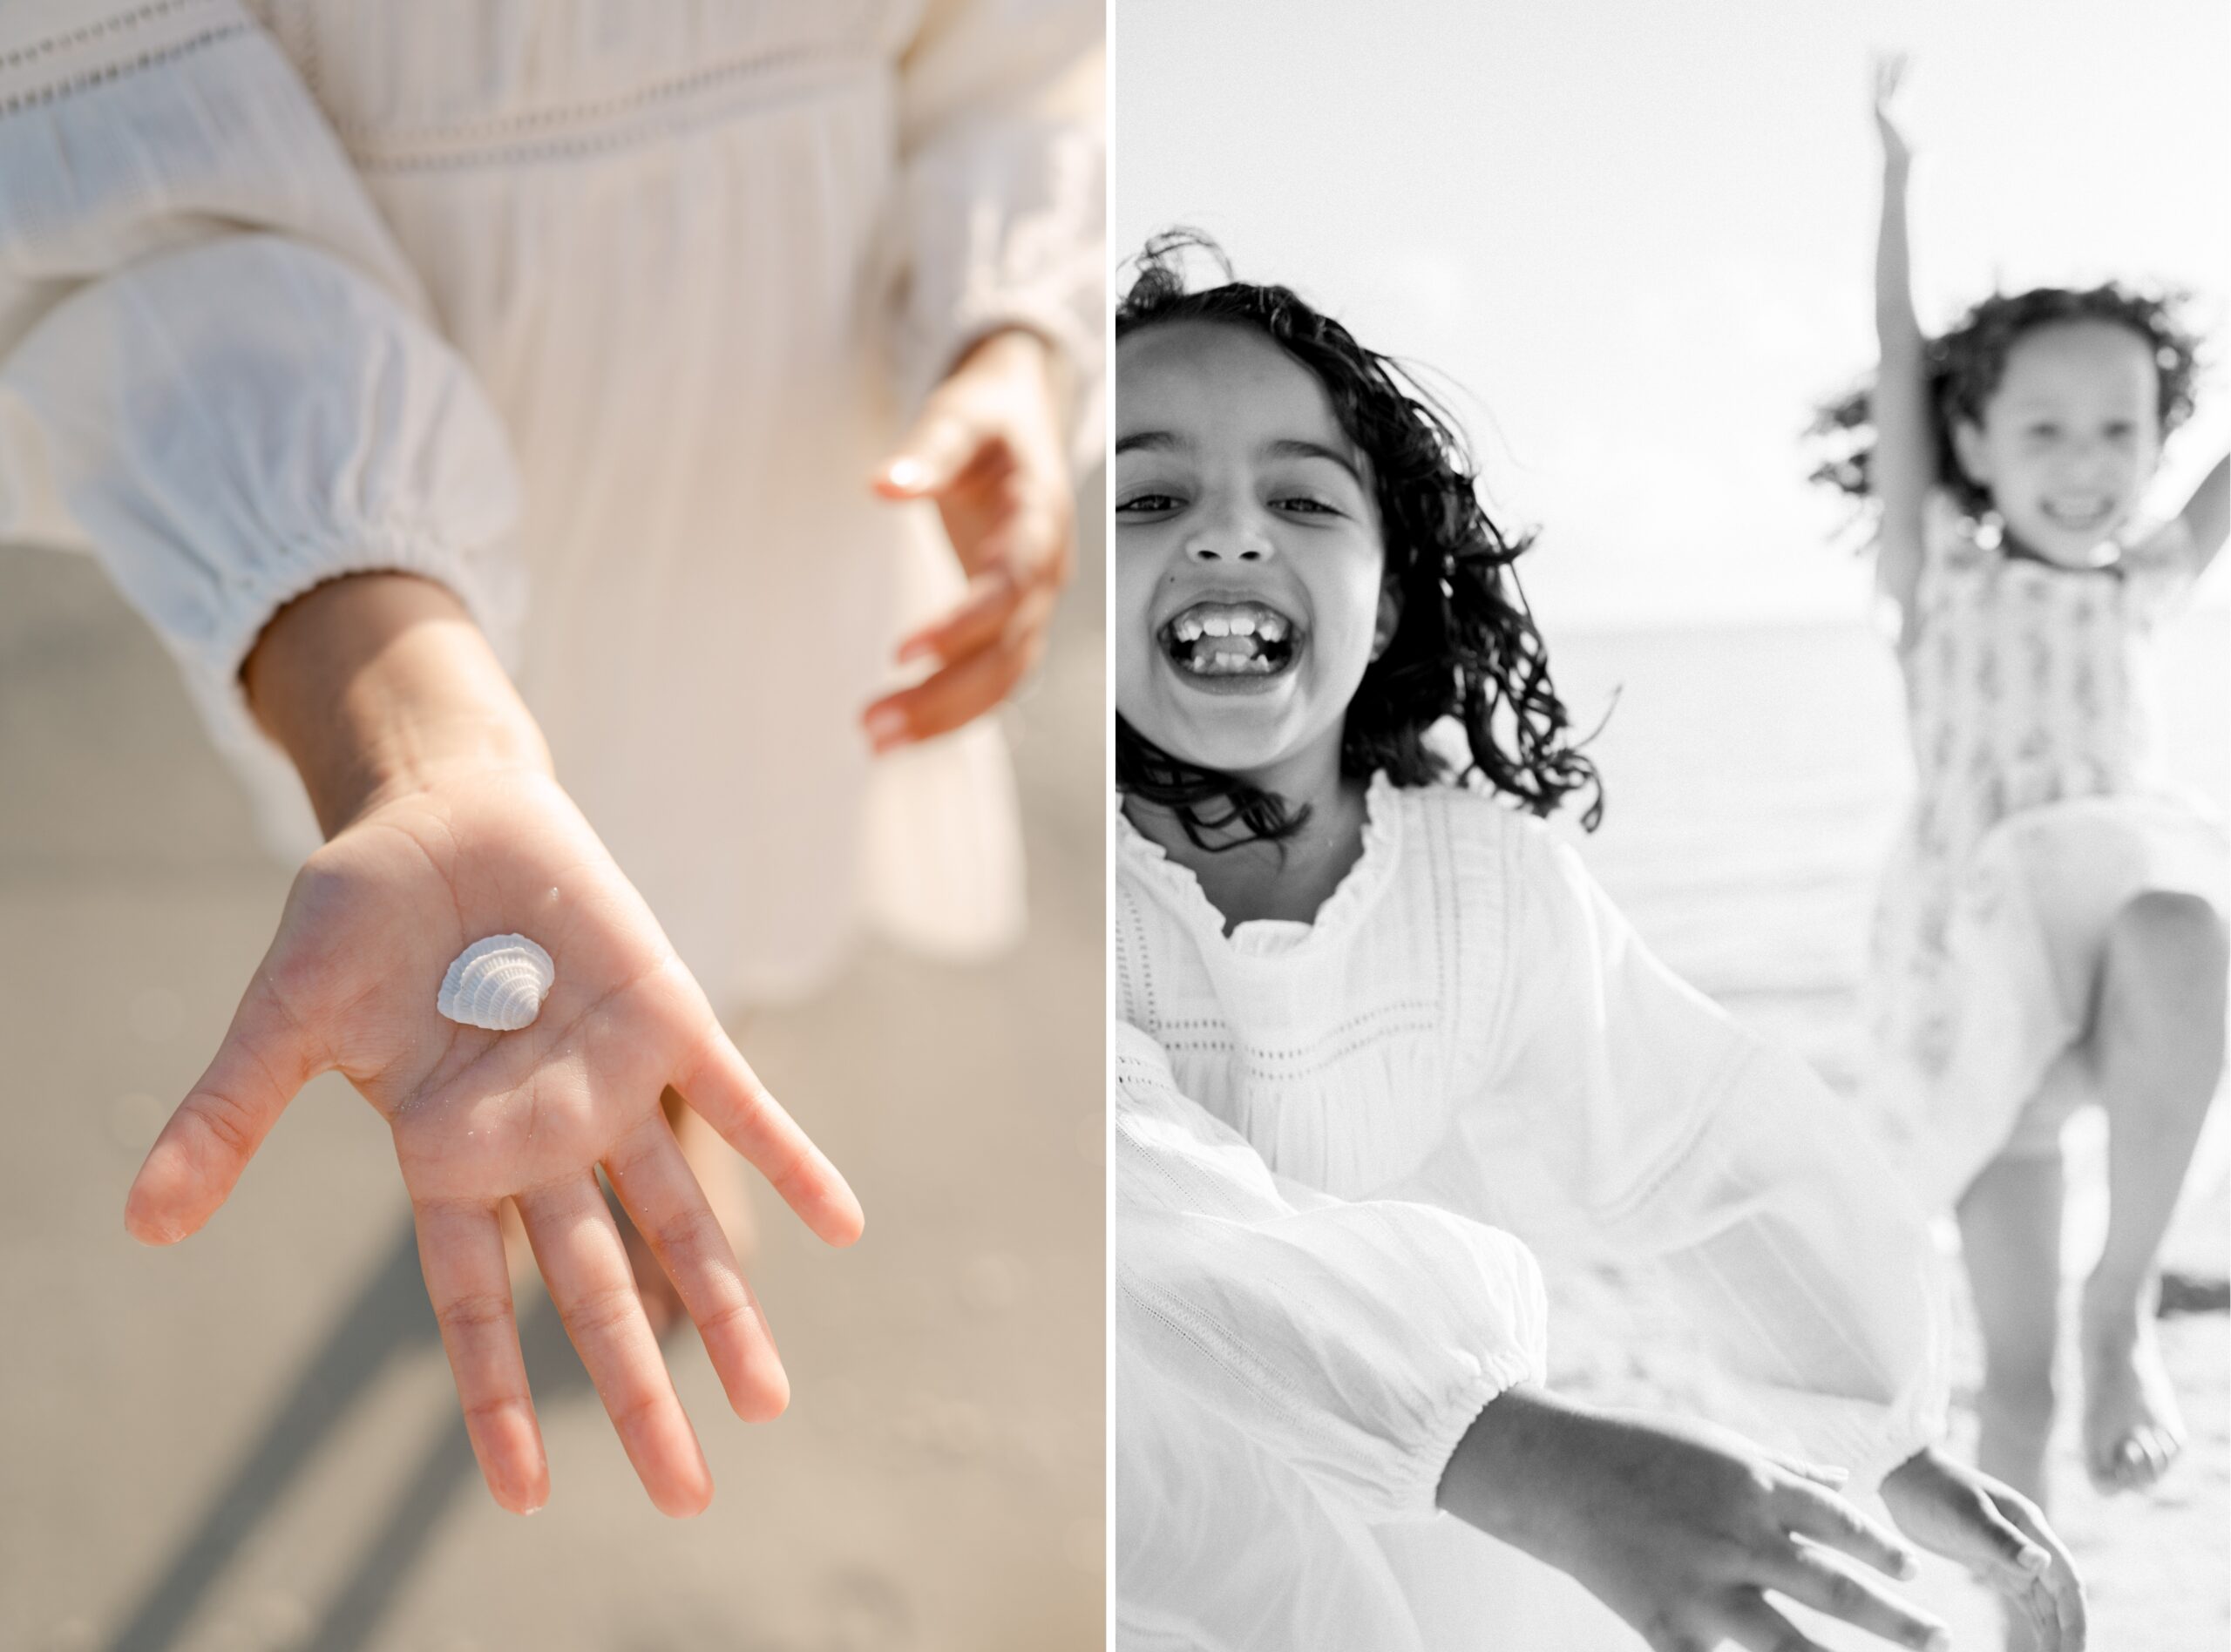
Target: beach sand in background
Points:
(1755, 778)
(251, 1441)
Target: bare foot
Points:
(720, 1171)
(2132, 1429)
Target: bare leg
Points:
(2157, 1044)
(2010, 1239)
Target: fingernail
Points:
(912, 649)
(1909, 1563)
(906, 473)
(886, 727)
(2034, 1558)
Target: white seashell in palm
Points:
(498, 983)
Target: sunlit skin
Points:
(1236, 490)
(1236, 485)
(2070, 439)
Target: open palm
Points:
(479, 1117)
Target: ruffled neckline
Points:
(1342, 911)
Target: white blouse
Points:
(1332, 1137)
(601, 314)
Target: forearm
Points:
(379, 682)
(2207, 513)
(1895, 326)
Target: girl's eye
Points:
(1305, 506)
(1145, 504)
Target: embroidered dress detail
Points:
(2036, 815)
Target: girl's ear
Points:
(1390, 616)
(1968, 448)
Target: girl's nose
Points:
(1229, 542)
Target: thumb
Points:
(930, 457)
(266, 1059)
(1997, 1548)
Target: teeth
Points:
(1243, 625)
(1271, 628)
(1189, 630)
(1216, 625)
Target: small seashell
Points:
(499, 983)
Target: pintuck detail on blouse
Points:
(1333, 1149)
(600, 315)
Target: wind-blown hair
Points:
(1964, 367)
(1465, 646)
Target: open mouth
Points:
(2079, 516)
(1230, 641)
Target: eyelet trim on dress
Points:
(1263, 938)
(107, 72)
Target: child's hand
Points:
(987, 449)
(1965, 1515)
(1677, 1528)
(349, 983)
(1889, 80)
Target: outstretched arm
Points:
(444, 825)
(2207, 516)
(1903, 464)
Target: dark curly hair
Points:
(1965, 365)
(1465, 645)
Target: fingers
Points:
(655, 1182)
(266, 1059)
(1756, 1627)
(1825, 1474)
(961, 692)
(2057, 1578)
(578, 1246)
(461, 1253)
(2000, 1550)
(1809, 1577)
(930, 457)
(1829, 1520)
(984, 613)
(728, 1095)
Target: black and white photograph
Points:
(1671, 720)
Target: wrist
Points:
(1501, 1477)
(379, 684)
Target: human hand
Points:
(478, 1118)
(987, 449)
(1678, 1529)
(1889, 83)
(1995, 1532)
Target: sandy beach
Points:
(250, 1442)
(1754, 778)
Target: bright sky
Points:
(1635, 240)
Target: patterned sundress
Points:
(2037, 816)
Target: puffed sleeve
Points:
(1686, 1141)
(1000, 209)
(217, 373)
(1353, 1342)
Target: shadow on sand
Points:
(389, 1316)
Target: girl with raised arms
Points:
(2051, 932)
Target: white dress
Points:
(1339, 1144)
(2038, 815)
(601, 314)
